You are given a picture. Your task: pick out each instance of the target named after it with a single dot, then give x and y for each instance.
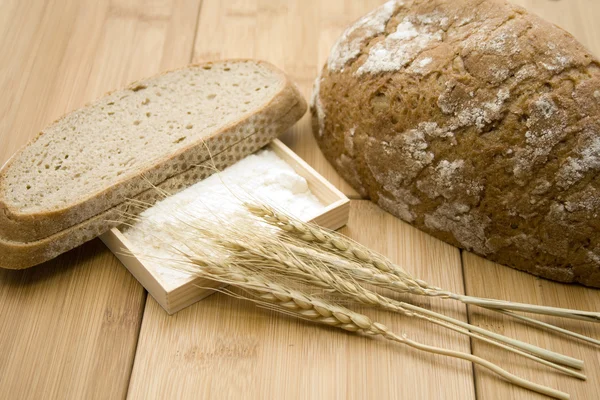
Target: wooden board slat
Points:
(70, 327)
(30, 63)
(227, 348)
(483, 278)
(487, 279)
(295, 36)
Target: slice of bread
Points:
(19, 255)
(96, 157)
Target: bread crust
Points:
(30, 227)
(475, 121)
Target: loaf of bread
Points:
(72, 182)
(476, 122)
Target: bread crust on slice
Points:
(46, 216)
(20, 255)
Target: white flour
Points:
(263, 176)
(348, 45)
(401, 47)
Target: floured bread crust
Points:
(474, 121)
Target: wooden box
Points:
(174, 297)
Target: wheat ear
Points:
(293, 302)
(208, 229)
(273, 257)
(346, 247)
(346, 267)
(393, 282)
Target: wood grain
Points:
(518, 286)
(226, 348)
(70, 327)
(483, 278)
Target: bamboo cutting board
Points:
(81, 327)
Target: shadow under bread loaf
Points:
(476, 122)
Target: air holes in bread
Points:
(138, 87)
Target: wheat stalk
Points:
(255, 246)
(392, 282)
(293, 302)
(326, 280)
(267, 291)
(320, 278)
(388, 274)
